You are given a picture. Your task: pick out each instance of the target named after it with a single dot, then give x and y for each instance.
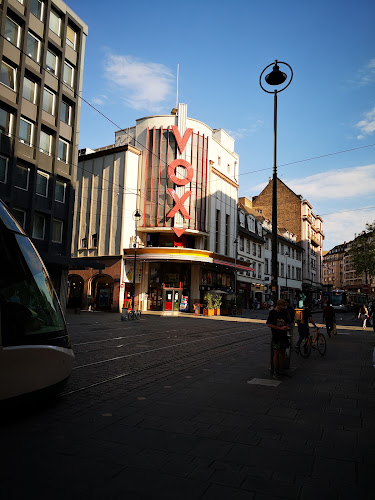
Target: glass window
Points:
(68, 75)
(8, 75)
(63, 152)
(22, 177)
(48, 101)
(29, 90)
(57, 231)
(66, 113)
(25, 134)
(259, 251)
(41, 183)
(3, 169)
(55, 22)
(37, 9)
(33, 47)
(20, 215)
(60, 191)
(94, 240)
(39, 227)
(51, 62)
(84, 243)
(6, 119)
(71, 37)
(45, 142)
(12, 32)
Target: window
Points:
(55, 22)
(29, 90)
(251, 223)
(94, 240)
(259, 270)
(254, 249)
(68, 74)
(57, 230)
(242, 219)
(219, 161)
(288, 272)
(12, 32)
(3, 169)
(63, 152)
(33, 47)
(22, 177)
(8, 75)
(71, 37)
(39, 226)
(42, 183)
(52, 62)
(282, 270)
(45, 142)
(20, 216)
(217, 231)
(84, 243)
(49, 101)
(60, 191)
(66, 113)
(6, 120)
(259, 251)
(266, 270)
(37, 9)
(227, 234)
(241, 244)
(26, 131)
(247, 246)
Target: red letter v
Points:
(181, 142)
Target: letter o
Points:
(180, 163)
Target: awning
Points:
(239, 267)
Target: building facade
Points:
(181, 178)
(296, 216)
(333, 268)
(42, 51)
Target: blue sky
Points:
(133, 49)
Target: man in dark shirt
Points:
(329, 318)
(278, 320)
(303, 326)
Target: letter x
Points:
(179, 203)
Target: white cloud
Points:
(99, 100)
(343, 226)
(367, 126)
(245, 132)
(143, 85)
(367, 73)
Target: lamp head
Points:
(276, 77)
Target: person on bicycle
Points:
(303, 325)
(278, 320)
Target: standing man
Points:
(329, 317)
(278, 321)
(303, 325)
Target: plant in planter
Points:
(218, 299)
(209, 301)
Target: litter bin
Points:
(197, 309)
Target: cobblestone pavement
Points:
(184, 408)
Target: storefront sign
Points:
(128, 275)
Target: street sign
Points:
(365, 288)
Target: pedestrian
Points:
(373, 314)
(91, 304)
(292, 317)
(303, 324)
(364, 315)
(329, 318)
(278, 321)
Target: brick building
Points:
(333, 267)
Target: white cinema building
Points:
(182, 178)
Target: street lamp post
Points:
(275, 78)
(136, 216)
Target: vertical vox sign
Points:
(179, 201)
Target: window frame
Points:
(20, 210)
(40, 173)
(40, 17)
(69, 108)
(69, 42)
(49, 68)
(94, 240)
(35, 89)
(30, 143)
(10, 116)
(51, 93)
(58, 17)
(18, 41)
(6, 160)
(66, 143)
(64, 184)
(49, 152)
(68, 65)
(39, 43)
(44, 227)
(14, 71)
(28, 178)
(54, 221)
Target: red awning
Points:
(234, 266)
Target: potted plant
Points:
(218, 299)
(209, 309)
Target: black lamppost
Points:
(136, 216)
(275, 78)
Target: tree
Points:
(362, 251)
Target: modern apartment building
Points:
(333, 267)
(42, 47)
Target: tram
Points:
(35, 350)
(339, 300)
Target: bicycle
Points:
(234, 311)
(308, 344)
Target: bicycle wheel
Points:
(234, 311)
(305, 348)
(321, 344)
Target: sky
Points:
(326, 116)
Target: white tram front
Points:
(35, 350)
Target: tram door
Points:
(172, 299)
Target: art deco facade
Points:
(42, 50)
